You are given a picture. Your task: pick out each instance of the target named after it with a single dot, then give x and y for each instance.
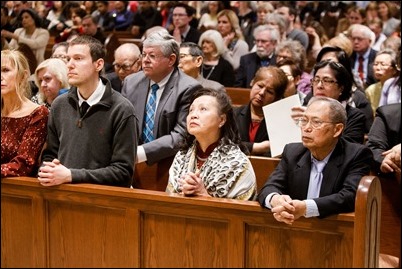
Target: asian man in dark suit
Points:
(161, 132)
(318, 177)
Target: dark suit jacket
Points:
(193, 35)
(249, 64)
(171, 113)
(385, 131)
(370, 79)
(243, 119)
(115, 81)
(341, 176)
(362, 103)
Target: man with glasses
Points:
(332, 79)
(266, 39)
(319, 176)
(190, 62)
(363, 54)
(183, 31)
(127, 60)
(161, 96)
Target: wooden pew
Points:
(152, 177)
(49, 46)
(28, 53)
(239, 96)
(390, 238)
(88, 225)
(263, 167)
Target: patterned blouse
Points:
(22, 140)
(226, 173)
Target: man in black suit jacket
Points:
(265, 38)
(384, 139)
(293, 189)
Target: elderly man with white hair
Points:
(363, 54)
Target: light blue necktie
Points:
(147, 133)
(315, 185)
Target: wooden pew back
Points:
(88, 225)
(263, 167)
(239, 96)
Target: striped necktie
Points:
(147, 133)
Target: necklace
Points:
(210, 71)
(202, 159)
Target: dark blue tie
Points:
(147, 133)
(264, 62)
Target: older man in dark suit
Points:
(319, 176)
(265, 38)
(161, 95)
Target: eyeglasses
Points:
(184, 55)
(151, 57)
(382, 65)
(125, 67)
(262, 41)
(60, 56)
(314, 122)
(326, 82)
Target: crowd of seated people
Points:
(233, 49)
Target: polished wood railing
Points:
(88, 225)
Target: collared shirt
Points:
(95, 97)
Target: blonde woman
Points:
(229, 28)
(23, 123)
(51, 79)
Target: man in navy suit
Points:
(362, 38)
(320, 176)
(160, 58)
(265, 38)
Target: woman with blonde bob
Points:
(51, 79)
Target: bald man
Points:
(126, 61)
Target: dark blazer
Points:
(171, 113)
(249, 64)
(115, 81)
(385, 131)
(348, 163)
(370, 79)
(242, 115)
(361, 102)
(193, 35)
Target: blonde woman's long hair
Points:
(15, 59)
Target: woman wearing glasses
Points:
(331, 79)
(384, 67)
